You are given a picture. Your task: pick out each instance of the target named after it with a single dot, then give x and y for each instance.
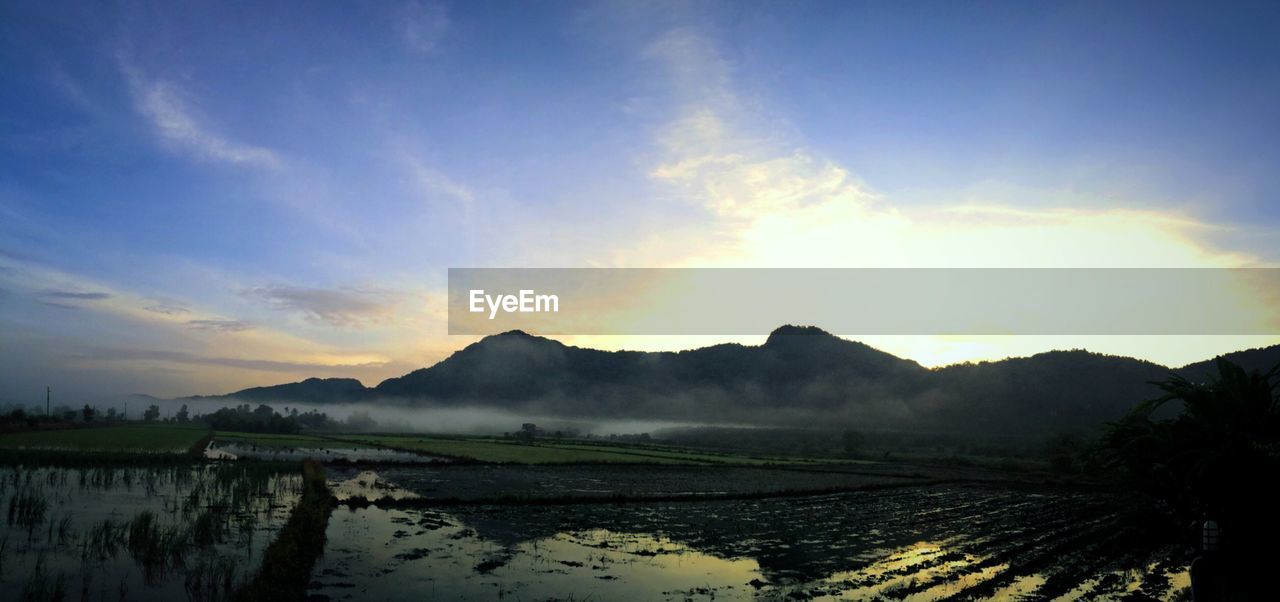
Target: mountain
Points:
(1054, 391)
(800, 377)
(312, 390)
(1260, 359)
(796, 371)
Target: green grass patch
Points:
(130, 438)
(287, 561)
(690, 454)
(295, 441)
(505, 451)
(498, 451)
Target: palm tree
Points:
(1214, 457)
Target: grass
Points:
(277, 440)
(27, 508)
(287, 561)
(713, 457)
(503, 451)
(131, 438)
(624, 498)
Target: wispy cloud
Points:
(784, 204)
(220, 325)
(167, 308)
(69, 299)
(181, 124)
(178, 123)
(174, 120)
(343, 307)
(180, 357)
(723, 152)
(420, 26)
(75, 295)
(434, 183)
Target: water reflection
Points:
(232, 450)
(137, 533)
(368, 486)
(406, 555)
(925, 543)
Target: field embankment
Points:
(287, 561)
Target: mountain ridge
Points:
(800, 376)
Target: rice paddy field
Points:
(931, 542)
(129, 512)
(492, 450)
(157, 439)
(151, 533)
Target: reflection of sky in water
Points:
(412, 554)
(367, 485)
(232, 450)
(85, 508)
(902, 568)
(393, 555)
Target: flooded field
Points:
(926, 542)
(233, 450)
(153, 533)
(407, 526)
(492, 481)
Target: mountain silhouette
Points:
(311, 390)
(800, 376)
(1261, 359)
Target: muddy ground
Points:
(490, 482)
(918, 540)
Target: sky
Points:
(201, 197)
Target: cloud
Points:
(167, 308)
(771, 200)
(774, 202)
(178, 124)
(433, 183)
(180, 357)
(724, 153)
(67, 299)
(219, 325)
(161, 103)
(698, 73)
(73, 295)
(344, 307)
(420, 26)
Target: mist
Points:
(393, 416)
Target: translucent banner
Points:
(690, 301)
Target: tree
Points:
(264, 419)
(360, 420)
(183, 416)
(528, 432)
(263, 413)
(88, 413)
(152, 413)
(111, 414)
(1211, 461)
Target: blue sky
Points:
(197, 197)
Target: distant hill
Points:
(1261, 359)
(311, 390)
(800, 377)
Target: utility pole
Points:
(47, 393)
